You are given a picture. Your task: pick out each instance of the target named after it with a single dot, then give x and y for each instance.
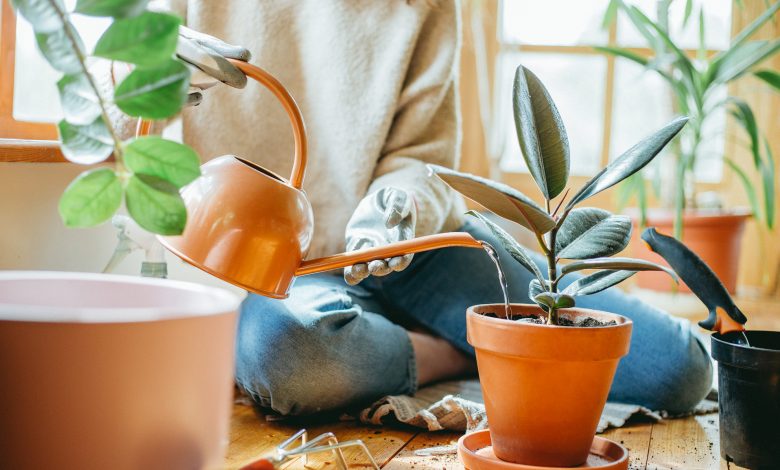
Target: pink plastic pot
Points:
(101, 371)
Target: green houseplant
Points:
(147, 172)
(695, 83)
(518, 359)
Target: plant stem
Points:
(552, 275)
(68, 28)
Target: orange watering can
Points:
(252, 228)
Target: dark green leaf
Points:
(597, 282)
(92, 198)
(767, 171)
(629, 264)
(145, 40)
(535, 288)
(154, 93)
(498, 198)
(519, 253)
(43, 15)
(155, 205)
(171, 161)
(553, 300)
(744, 116)
(769, 76)
(590, 232)
(749, 189)
(633, 160)
(60, 51)
(79, 103)
(541, 133)
(625, 53)
(115, 8)
(87, 144)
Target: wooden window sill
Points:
(41, 151)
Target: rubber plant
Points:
(694, 83)
(587, 236)
(147, 172)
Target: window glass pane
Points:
(642, 103)
(576, 83)
(717, 22)
(553, 22)
(35, 82)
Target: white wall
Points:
(32, 236)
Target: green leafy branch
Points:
(148, 171)
(588, 237)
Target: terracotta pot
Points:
(119, 372)
(545, 386)
(715, 237)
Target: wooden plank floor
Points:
(689, 443)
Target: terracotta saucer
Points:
(476, 453)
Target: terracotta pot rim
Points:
(692, 216)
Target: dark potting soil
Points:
(563, 320)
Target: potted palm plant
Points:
(694, 84)
(525, 352)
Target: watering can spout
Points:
(416, 245)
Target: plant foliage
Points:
(588, 235)
(148, 171)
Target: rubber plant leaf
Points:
(770, 77)
(62, 50)
(554, 300)
(115, 8)
(535, 288)
(540, 131)
(597, 282)
(630, 264)
(174, 162)
(92, 198)
(79, 103)
(498, 198)
(45, 16)
(85, 144)
(589, 232)
(520, 254)
(145, 40)
(633, 160)
(154, 93)
(155, 204)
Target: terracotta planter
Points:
(545, 386)
(715, 237)
(118, 372)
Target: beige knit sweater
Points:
(376, 81)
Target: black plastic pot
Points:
(749, 398)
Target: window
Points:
(607, 104)
(29, 103)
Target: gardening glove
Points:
(385, 216)
(206, 56)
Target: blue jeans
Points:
(331, 345)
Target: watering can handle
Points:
(290, 106)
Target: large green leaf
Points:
(742, 59)
(769, 76)
(749, 189)
(60, 50)
(535, 288)
(92, 198)
(628, 264)
(154, 93)
(597, 282)
(519, 253)
(541, 133)
(145, 40)
(78, 100)
(633, 160)
(43, 15)
(498, 198)
(624, 53)
(87, 144)
(171, 161)
(590, 232)
(155, 205)
(115, 8)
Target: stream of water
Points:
(501, 278)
